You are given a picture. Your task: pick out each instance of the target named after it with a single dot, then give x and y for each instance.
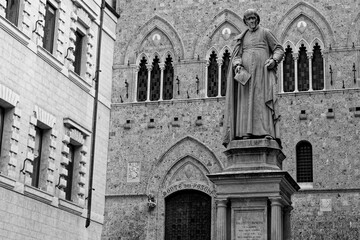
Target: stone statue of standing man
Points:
(249, 106)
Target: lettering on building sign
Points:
(133, 172)
(249, 225)
(189, 185)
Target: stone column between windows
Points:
(221, 219)
(281, 66)
(310, 56)
(296, 57)
(162, 68)
(220, 62)
(136, 82)
(149, 68)
(276, 219)
(206, 77)
(287, 224)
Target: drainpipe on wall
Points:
(94, 118)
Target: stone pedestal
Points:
(255, 191)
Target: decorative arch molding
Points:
(140, 57)
(166, 54)
(155, 23)
(302, 42)
(9, 96)
(289, 43)
(222, 51)
(226, 16)
(309, 12)
(209, 52)
(354, 33)
(183, 166)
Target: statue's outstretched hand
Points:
(270, 63)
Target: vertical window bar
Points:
(168, 79)
(78, 52)
(303, 69)
(12, 11)
(155, 80)
(224, 69)
(142, 81)
(288, 71)
(304, 162)
(2, 118)
(37, 157)
(317, 68)
(70, 169)
(49, 28)
(213, 69)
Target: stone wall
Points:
(190, 30)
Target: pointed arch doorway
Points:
(188, 216)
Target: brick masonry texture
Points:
(39, 85)
(164, 150)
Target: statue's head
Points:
(251, 18)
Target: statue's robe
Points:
(249, 108)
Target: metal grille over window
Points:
(168, 79)
(49, 28)
(155, 80)
(289, 72)
(142, 80)
(303, 69)
(317, 68)
(304, 165)
(224, 69)
(188, 216)
(12, 11)
(213, 69)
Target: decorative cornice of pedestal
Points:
(255, 183)
(254, 154)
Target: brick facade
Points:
(159, 147)
(39, 92)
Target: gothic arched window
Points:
(304, 162)
(213, 69)
(317, 68)
(224, 69)
(142, 81)
(303, 69)
(288, 71)
(155, 80)
(168, 79)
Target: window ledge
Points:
(70, 207)
(38, 194)
(49, 58)
(314, 92)
(306, 185)
(79, 81)
(7, 182)
(11, 29)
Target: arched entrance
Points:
(188, 216)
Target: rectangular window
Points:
(78, 52)
(2, 118)
(70, 169)
(49, 28)
(12, 11)
(37, 157)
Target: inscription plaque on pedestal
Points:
(249, 225)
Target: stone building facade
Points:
(167, 110)
(47, 91)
